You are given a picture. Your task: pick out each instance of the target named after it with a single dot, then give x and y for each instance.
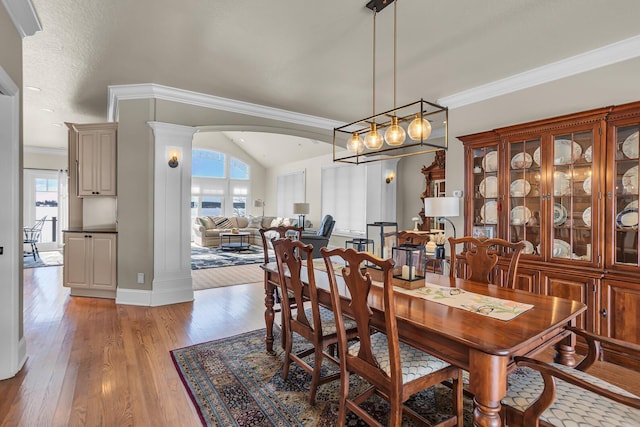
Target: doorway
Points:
(45, 194)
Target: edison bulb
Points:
(355, 144)
(394, 134)
(373, 140)
(419, 129)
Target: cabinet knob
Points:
(603, 312)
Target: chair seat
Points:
(329, 322)
(573, 406)
(415, 363)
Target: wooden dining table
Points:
(482, 345)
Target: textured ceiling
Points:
(308, 57)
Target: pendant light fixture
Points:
(363, 138)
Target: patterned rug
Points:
(234, 382)
(204, 257)
(46, 259)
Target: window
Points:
(215, 192)
(207, 164)
(290, 189)
(344, 190)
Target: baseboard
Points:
(21, 359)
(170, 291)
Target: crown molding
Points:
(24, 16)
(613, 53)
(117, 93)
(47, 151)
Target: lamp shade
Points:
(258, 203)
(301, 208)
(441, 206)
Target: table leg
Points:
(488, 382)
(269, 291)
(566, 352)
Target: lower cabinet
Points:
(90, 264)
(577, 287)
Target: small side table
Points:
(439, 265)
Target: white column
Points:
(172, 215)
(12, 346)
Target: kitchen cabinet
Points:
(90, 263)
(95, 157)
(568, 187)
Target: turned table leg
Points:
(268, 312)
(488, 382)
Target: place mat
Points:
(495, 308)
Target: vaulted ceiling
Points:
(309, 57)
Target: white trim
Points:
(117, 93)
(42, 150)
(133, 297)
(24, 16)
(613, 53)
(172, 214)
(12, 345)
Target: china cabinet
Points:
(567, 187)
(434, 178)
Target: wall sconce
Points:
(390, 177)
(173, 159)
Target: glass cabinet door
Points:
(524, 195)
(626, 196)
(572, 196)
(486, 197)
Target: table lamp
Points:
(301, 209)
(442, 208)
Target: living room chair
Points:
(395, 370)
(316, 324)
(553, 394)
(32, 237)
(481, 257)
(320, 238)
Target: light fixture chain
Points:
(375, 12)
(395, 49)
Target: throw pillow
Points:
(278, 222)
(206, 222)
(254, 222)
(241, 221)
(223, 223)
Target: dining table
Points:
(482, 345)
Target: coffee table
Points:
(240, 243)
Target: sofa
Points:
(207, 229)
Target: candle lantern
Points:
(410, 262)
(385, 237)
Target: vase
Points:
(439, 252)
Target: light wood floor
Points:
(94, 363)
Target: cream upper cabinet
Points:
(95, 157)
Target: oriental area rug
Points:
(235, 382)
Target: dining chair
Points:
(268, 233)
(481, 257)
(553, 394)
(316, 324)
(395, 370)
(32, 237)
(413, 238)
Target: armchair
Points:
(320, 238)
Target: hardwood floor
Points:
(94, 363)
